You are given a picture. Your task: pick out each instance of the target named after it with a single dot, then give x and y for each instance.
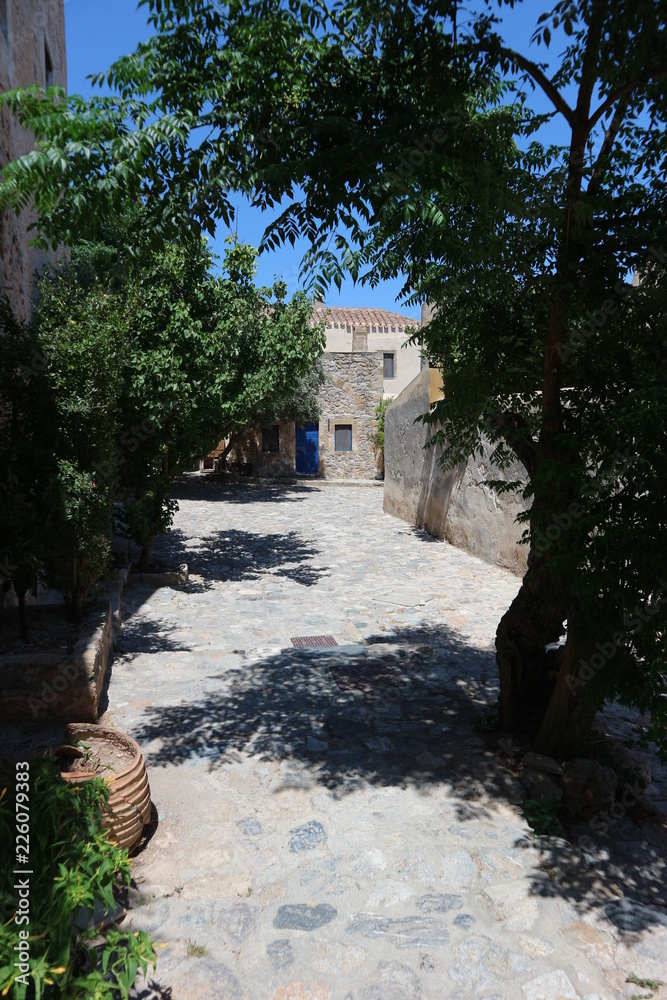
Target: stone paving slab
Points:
(319, 843)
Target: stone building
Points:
(348, 424)
(32, 51)
(340, 445)
(366, 358)
(351, 329)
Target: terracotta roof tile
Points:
(343, 316)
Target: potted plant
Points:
(92, 751)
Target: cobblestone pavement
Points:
(335, 823)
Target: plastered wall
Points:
(455, 505)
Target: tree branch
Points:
(534, 71)
(590, 62)
(657, 73)
(605, 149)
(513, 428)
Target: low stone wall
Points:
(350, 395)
(455, 505)
(50, 684)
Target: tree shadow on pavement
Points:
(213, 487)
(152, 990)
(406, 710)
(140, 635)
(234, 556)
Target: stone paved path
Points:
(335, 824)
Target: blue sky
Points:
(98, 31)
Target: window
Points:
(271, 438)
(343, 437)
(48, 66)
(388, 365)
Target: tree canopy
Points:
(203, 355)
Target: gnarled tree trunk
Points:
(531, 622)
(569, 716)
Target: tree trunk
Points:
(77, 594)
(146, 553)
(568, 719)
(529, 698)
(76, 605)
(527, 627)
(228, 447)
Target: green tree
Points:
(208, 354)
(299, 403)
(26, 460)
(205, 356)
(81, 336)
(414, 145)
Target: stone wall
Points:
(266, 463)
(454, 505)
(352, 391)
(32, 37)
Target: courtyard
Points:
(337, 822)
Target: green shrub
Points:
(73, 865)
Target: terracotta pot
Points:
(130, 799)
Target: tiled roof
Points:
(349, 316)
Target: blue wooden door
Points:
(307, 449)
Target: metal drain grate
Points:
(302, 641)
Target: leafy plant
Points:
(542, 816)
(196, 950)
(81, 334)
(26, 459)
(73, 866)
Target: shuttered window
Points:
(388, 367)
(343, 437)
